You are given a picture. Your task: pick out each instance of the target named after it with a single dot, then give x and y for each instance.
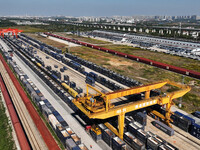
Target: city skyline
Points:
(100, 8)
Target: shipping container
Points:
(97, 137)
(197, 114)
(142, 135)
(128, 120)
(41, 103)
(53, 121)
(76, 139)
(195, 130)
(72, 84)
(70, 131)
(153, 143)
(102, 127)
(135, 143)
(161, 140)
(83, 147)
(90, 81)
(141, 118)
(107, 136)
(163, 127)
(118, 144)
(132, 128)
(66, 77)
(71, 145)
(167, 146)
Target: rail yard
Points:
(86, 106)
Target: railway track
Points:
(180, 134)
(22, 140)
(80, 76)
(33, 135)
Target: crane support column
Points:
(121, 125)
(107, 104)
(87, 90)
(168, 112)
(147, 94)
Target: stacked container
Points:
(163, 127)
(107, 136)
(141, 118)
(153, 143)
(135, 143)
(118, 144)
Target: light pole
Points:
(181, 98)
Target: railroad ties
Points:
(31, 130)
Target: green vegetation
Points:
(52, 27)
(25, 28)
(6, 139)
(191, 99)
(157, 56)
(6, 23)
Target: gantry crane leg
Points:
(168, 112)
(147, 94)
(121, 118)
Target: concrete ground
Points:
(63, 41)
(180, 139)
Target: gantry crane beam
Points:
(135, 90)
(9, 30)
(107, 112)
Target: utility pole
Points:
(180, 29)
(181, 98)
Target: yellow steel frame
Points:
(131, 106)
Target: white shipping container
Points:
(41, 103)
(53, 120)
(65, 133)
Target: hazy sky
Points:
(99, 7)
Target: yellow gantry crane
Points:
(99, 106)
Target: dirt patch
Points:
(118, 62)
